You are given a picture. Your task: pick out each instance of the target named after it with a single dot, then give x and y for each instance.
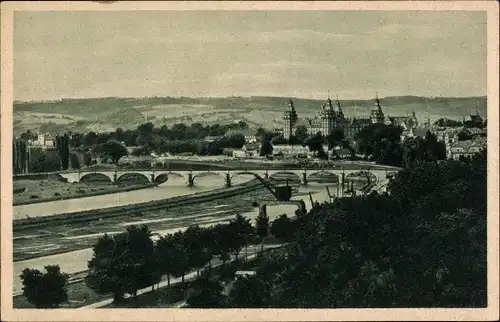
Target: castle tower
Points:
(328, 117)
(290, 118)
(377, 116)
(340, 113)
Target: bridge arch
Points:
(96, 176)
(324, 175)
(167, 176)
(207, 174)
(245, 173)
(285, 176)
(362, 176)
(137, 178)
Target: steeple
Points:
(339, 108)
(329, 102)
(377, 102)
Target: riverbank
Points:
(39, 191)
(81, 296)
(99, 214)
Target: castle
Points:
(331, 117)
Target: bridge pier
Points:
(342, 182)
(153, 177)
(304, 178)
(190, 180)
(263, 210)
(115, 177)
(228, 180)
(266, 175)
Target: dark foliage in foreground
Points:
(45, 290)
(422, 245)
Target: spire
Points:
(377, 102)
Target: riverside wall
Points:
(96, 214)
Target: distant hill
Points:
(103, 114)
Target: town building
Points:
(44, 141)
(252, 150)
(474, 121)
(247, 133)
(467, 148)
(291, 150)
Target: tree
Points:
(29, 135)
(205, 293)
(123, 263)
(90, 139)
(145, 129)
(260, 133)
(165, 250)
(266, 148)
(197, 250)
(279, 140)
(463, 135)
(301, 133)
(115, 150)
(181, 255)
(222, 240)
(76, 140)
(262, 228)
(62, 145)
(241, 230)
(74, 160)
(315, 142)
(335, 138)
(236, 141)
(374, 138)
(87, 158)
(242, 125)
(45, 290)
(280, 227)
(249, 292)
(119, 134)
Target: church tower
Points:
(377, 116)
(290, 120)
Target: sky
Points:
(267, 53)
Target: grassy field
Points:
(54, 189)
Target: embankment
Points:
(108, 190)
(97, 214)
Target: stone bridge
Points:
(160, 176)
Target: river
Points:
(172, 188)
(40, 243)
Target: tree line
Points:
(126, 262)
